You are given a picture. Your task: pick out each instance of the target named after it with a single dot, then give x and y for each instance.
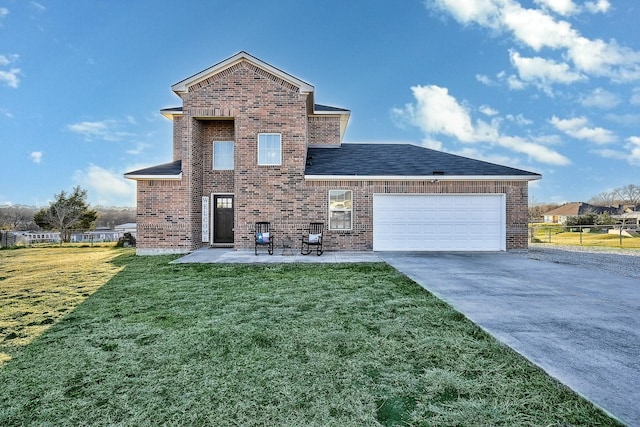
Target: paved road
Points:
(582, 326)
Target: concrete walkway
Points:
(581, 326)
(207, 255)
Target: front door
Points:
(223, 219)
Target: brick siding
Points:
(239, 103)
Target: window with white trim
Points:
(222, 155)
(340, 209)
(269, 149)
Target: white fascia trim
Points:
(331, 113)
(157, 177)
(421, 178)
(171, 114)
(182, 86)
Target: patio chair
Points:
(313, 237)
(263, 236)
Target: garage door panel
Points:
(450, 222)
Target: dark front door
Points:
(222, 219)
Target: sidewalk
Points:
(209, 255)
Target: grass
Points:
(285, 345)
(40, 286)
(593, 239)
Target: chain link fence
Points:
(585, 234)
(10, 239)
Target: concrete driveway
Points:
(582, 326)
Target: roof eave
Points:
(141, 177)
(422, 177)
(170, 113)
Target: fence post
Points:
(621, 234)
(580, 230)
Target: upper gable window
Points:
(269, 149)
(222, 155)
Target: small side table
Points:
(286, 248)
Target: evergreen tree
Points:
(67, 213)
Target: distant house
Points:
(129, 227)
(561, 214)
(629, 218)
(251, 144)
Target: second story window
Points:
(222, 155)
(269, 149)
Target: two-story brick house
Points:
(250, 144)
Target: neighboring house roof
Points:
(171, 170)
(183, 85)
(404, 161)
(578, 208)
(126, 225)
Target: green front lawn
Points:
(273, 345)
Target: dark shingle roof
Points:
(166, 169)
(399, 160)
(328, 109)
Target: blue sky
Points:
(550, 86)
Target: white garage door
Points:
(439, 222)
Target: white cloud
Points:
(485, 80)
(8, 59)
(436, 112)
(3, 12)
(599, 6)
(601, 98)
(519, 119)
(107, 130)
(630, 153)
(139, 148)
(106, 187)
(537, 29)
(10, 77)
(36, 156)
(38, 6)
(543, 72)
(561, 7)
(488, 111)
(568, 7)
(578, 127)
(633, 145)
(624, 119)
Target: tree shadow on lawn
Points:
(43, 285)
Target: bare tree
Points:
(606, 198)
(17, 218)
(629, 194)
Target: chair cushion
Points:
(262, 237)
(314, 238)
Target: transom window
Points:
(269, 149)
(223, 155)
(340, 209)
